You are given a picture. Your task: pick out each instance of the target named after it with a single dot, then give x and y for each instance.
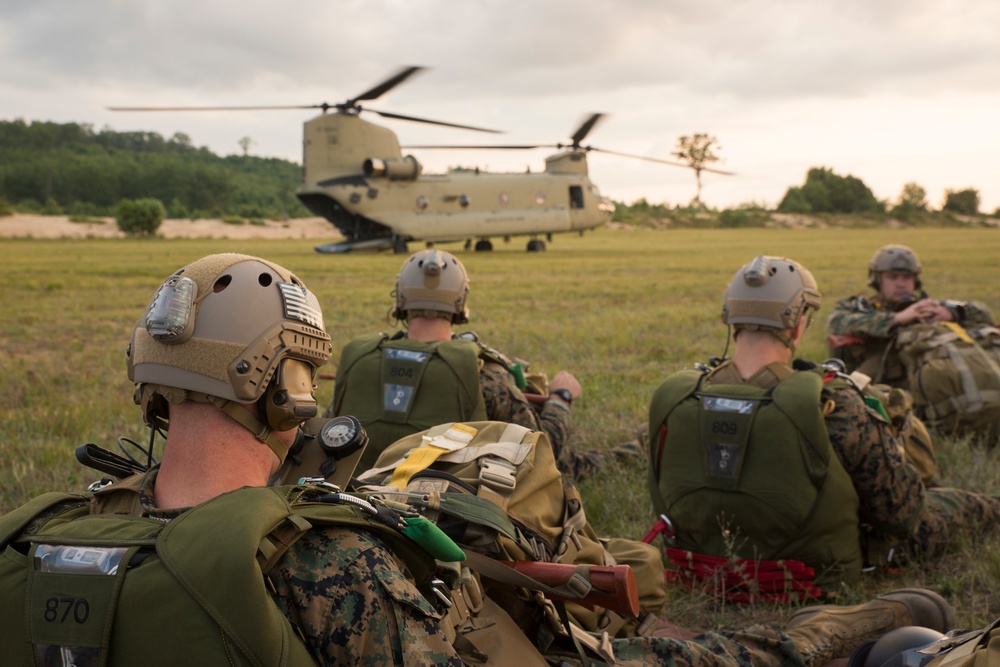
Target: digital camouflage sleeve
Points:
(356, 604)
(863, 316)
(893, 500)
(861, 331)
(890, 492)
(506, 403)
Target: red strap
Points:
(662, 526)
(744, 580)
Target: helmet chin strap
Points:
(260, 430)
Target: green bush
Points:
(5, 207)
(794, 201)
(177, 210)
(52, 207)
(964, 202)
(826, 192)
(743, 217)
(140, 217)
(234, 220)
(29, 206)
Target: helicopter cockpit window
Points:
(421, 202)
(575, 196)
(540, 198)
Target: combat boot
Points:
(825, 632)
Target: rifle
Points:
(610, 586)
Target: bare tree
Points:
(698, 151)
(245, 143)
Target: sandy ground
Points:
(54, 227)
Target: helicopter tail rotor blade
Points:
(384, 87)
(387, 114)
(658, 161)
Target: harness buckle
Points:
(497, 474)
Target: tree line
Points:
(72, 168)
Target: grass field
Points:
(620, 309)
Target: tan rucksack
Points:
(977, 648)
(897, 406)
(449, 469)
(955, 382)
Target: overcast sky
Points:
(890, 91)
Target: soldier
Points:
(223, 360)
(425, 375)
(165, 567)
(790, 461)
(862, 329)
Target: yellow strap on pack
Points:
(959, 331)
(421, 458)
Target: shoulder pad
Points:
(487, 353)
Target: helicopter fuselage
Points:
(354, 175)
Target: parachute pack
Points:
(494, 488)
(78, 585)
(955, 380)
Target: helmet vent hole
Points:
(265, 279)
(222, 283)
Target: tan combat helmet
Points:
(432, 283)
(893, 257)
(770, 294)
(230, 329)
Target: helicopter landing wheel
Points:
(536, 245)
(399, 245)
(484, 245)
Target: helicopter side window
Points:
(575, 196)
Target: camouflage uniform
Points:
(755, 646)
(353, 600)
(869, 320)
(893, 502)
(506, 403)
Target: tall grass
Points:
(621, 310)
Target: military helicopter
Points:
(355, 175)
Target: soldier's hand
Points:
(938, 313)
(920, 311)
(564, 380)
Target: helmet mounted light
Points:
(169, 319)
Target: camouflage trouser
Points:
(578, 464)
(949, 513)
(756, 646)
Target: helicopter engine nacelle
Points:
(397, 169)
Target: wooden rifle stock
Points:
(613, 586)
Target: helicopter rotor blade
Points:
(387, 114)
(384, 87)
(323, 106)
(585, 128)
(657, 160)
(485, 147)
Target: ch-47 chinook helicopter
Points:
(355, 175)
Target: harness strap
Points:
(458, 436)
(274, 545)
